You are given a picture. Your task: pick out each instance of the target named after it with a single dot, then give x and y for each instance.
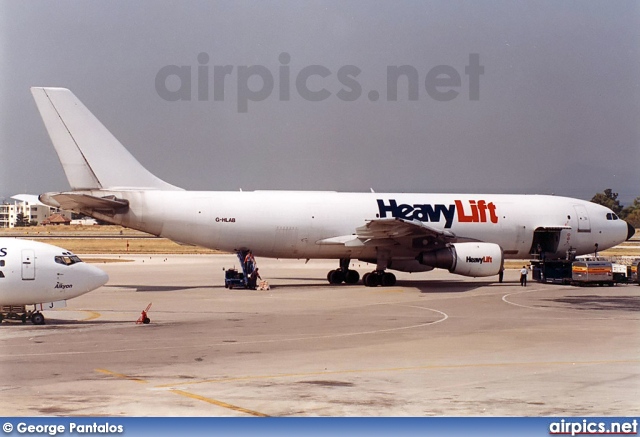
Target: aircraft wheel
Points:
(146, 320)
(388, 280)
(365, 279)
(336, 277)
(373, 280)
(352, 277)
(329, 276)
(37, 319)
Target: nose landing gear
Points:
(13, 312)
(37, 318)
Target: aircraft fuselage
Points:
(293, 224)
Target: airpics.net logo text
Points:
(313, 83)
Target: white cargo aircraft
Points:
(42, 275)
(468, 234)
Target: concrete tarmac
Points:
(435, 344)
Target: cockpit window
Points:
(612, 216)
(67, 260)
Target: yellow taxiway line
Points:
(122, 376)
(186, 394)
(218, 403)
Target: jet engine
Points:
(466, 259)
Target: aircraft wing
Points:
(398, 228)
(394, 231)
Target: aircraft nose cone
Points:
(630, 231)
(97, 278)
(101, 279)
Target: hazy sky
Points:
(556, 108)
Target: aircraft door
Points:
(28, 265)
(545, 242)
(584, 225)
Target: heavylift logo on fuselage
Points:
(480, 260)
(480, 211)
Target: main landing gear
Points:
(343, 274)
(379, 277)
(373, 279)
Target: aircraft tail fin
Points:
(92, 158)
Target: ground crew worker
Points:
(249, 262)
(253, 279)
(523, 276)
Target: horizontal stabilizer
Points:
(84, 202)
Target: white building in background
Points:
(30, 207)
(85, 221)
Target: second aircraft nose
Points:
(98, 278)
(630, 231)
